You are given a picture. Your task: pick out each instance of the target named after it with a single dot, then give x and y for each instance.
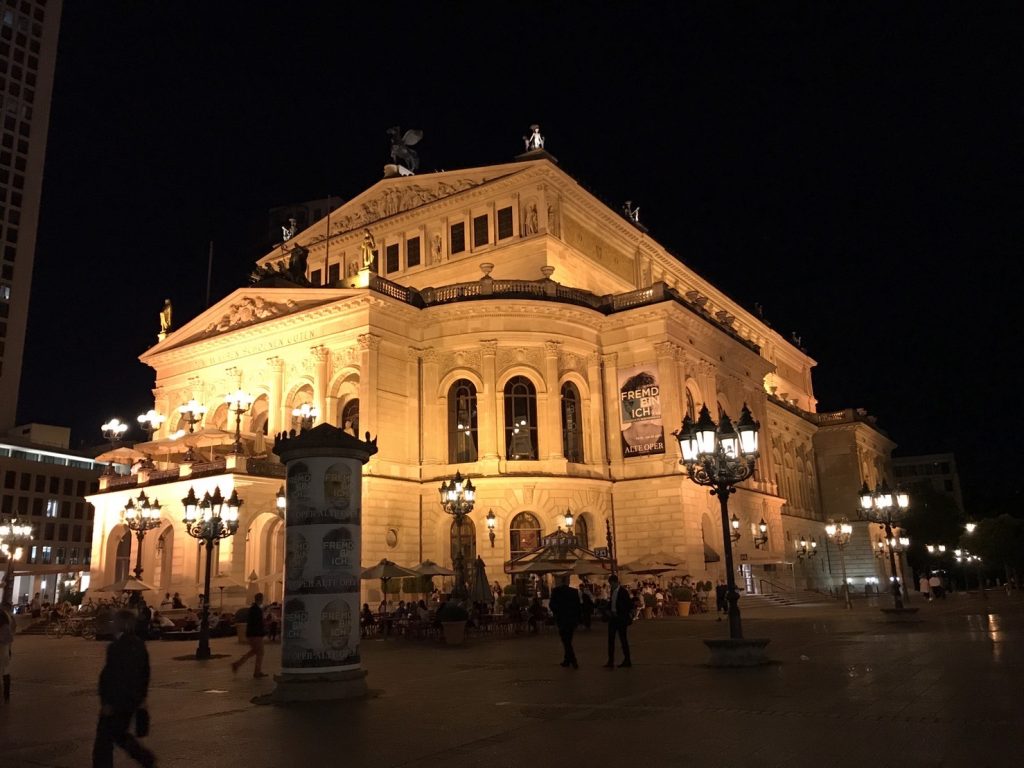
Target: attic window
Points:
(480, 231)
(505, 223)
(391, 257)
(412, 252)
(458, 237)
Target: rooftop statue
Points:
(534, 140)
(633, 214)
(400, 144)
(166, 318)
(367, 249)
(289, 232)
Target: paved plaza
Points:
(845, 689)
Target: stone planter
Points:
(454, 632)
(683, 609)
(737, 653)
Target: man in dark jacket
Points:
(124, 683)
(565, 607)
(620, 616)
(254, 633)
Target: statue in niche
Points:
(531, 225)
(368, 249)
(400, 147)
(435, 250)
(166, 318)
(289, 231)
(534, 141)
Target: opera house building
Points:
(505, 323)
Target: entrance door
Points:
(748, 578)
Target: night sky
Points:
(855, 169)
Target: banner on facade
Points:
(643, 433)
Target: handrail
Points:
(776, 587)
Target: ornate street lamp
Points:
(238, 403)
(14, 537)
(970, 526)
(209, 521)
(281, 500)
(761, 540)
(805, 548)
(193, 412)
(720, 456)
(966, 558)
(839, 533)
(457, 499)
(307, 415)
(569, 520)
(491, 522)
(734, 534)
(140, 516)
(150, 421)
(886, 507)
(112, 431)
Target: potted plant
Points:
(453, 618)
(683, 596)
(650, 601)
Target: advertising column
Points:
(320, 638)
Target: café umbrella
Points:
(386, 570)
(479, 589)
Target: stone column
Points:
(321, 373)
(487, 403)
(276, 418)
(671, 395)
(323, 537)
(708, 383)
(551, 418)
(369, 354)
(432, 407)
(611, 408)
(594, 426)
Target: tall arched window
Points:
(462, 422)
(349, 419)
(259, 415)
(219, 418)
(582, 530)
(520, 419)
(691, 407)
(524, 534)
(123, 557)
(572, 423)
(468, 542)
(302, 396)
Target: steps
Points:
(786, 599)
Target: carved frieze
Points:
(510, 356)
(570, 361)
(250, 310)
(462, 358)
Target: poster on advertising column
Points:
(643, 433)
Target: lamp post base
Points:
(330, 686)
(737, 653)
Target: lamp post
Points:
(281, 501)
(886, 507)
(734, 534)
(839, 534)
(112, 431)
(238, 403)
(720, 456)
(193, 412)
(14, 537)
(805, 548)
(491, 522)
(761, 540)
(568, 519)
(140, 516)
(209, 521)
(966, 558)
(150, 421)
(307, 415)
(457, 499)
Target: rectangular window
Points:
(37, 506)
(73, 557)
(315, 277)
(79, 509)
(62, 532)
(7, 505)
(412, 252)
(68, 487)
(40, 483)
(9, 479)
(25, 482)
(54, 485)
(480, 231)
(48, 531)
(47, 555)
(458, 244)
(60, 555)
(33, 554)
(80, 488)
(76, 533)
(505, 223)
(333, 274)
(391, 258)
(52, 507)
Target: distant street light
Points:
(238, 402)
(839, 533)
(140, 517)
(457, 499)
(307, 415)
(192, 412)
(886, 507)
(14, 537)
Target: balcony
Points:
(242, 465)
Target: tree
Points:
(933, 518)
(999, 542)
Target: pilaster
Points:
(611, 410)
(488, 406)
(595, 433)
(550, 438)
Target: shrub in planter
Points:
(707, 586)
(683, 596)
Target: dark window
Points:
(7, 505)
(48, 531)
(462, 424)
(315, 277)
(23, 505)
(40, 483)
(65, 509)
(505, 223)
(520, 419)
(391, 258)
(26, 481)
(68, 487)
(62, 532)
(582, 531)
(458, 237)
(350, 417)
(412, 252)
(524, 534)
(9, 478)
(572, 423)
(79, 509)
(76, 533)
(479, 231)
(37, 506)
(333, 274)
(80, 488)
(54, 485)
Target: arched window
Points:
(462, 422)
(350, 417)
(524, 534)
(572, 423)
(123, 557)
(219, 418)
(691, 407)
(582, 530)
(259, 415)
(303, 396)
(520, 419)
(467, 542)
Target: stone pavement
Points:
(846, 689)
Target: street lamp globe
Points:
(281, 500)
(569, 519)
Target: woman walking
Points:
(6, 641)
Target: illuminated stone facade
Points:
(504, 312)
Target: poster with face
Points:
(302, 506)
(640, 421)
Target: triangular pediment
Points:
(244, 308)
(395, 195)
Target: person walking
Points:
(566, 608)
(588, 608)
(924, 587)
(935, 585)
(124, 683)
(254, 633)
(6, 643)
(620, 616)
